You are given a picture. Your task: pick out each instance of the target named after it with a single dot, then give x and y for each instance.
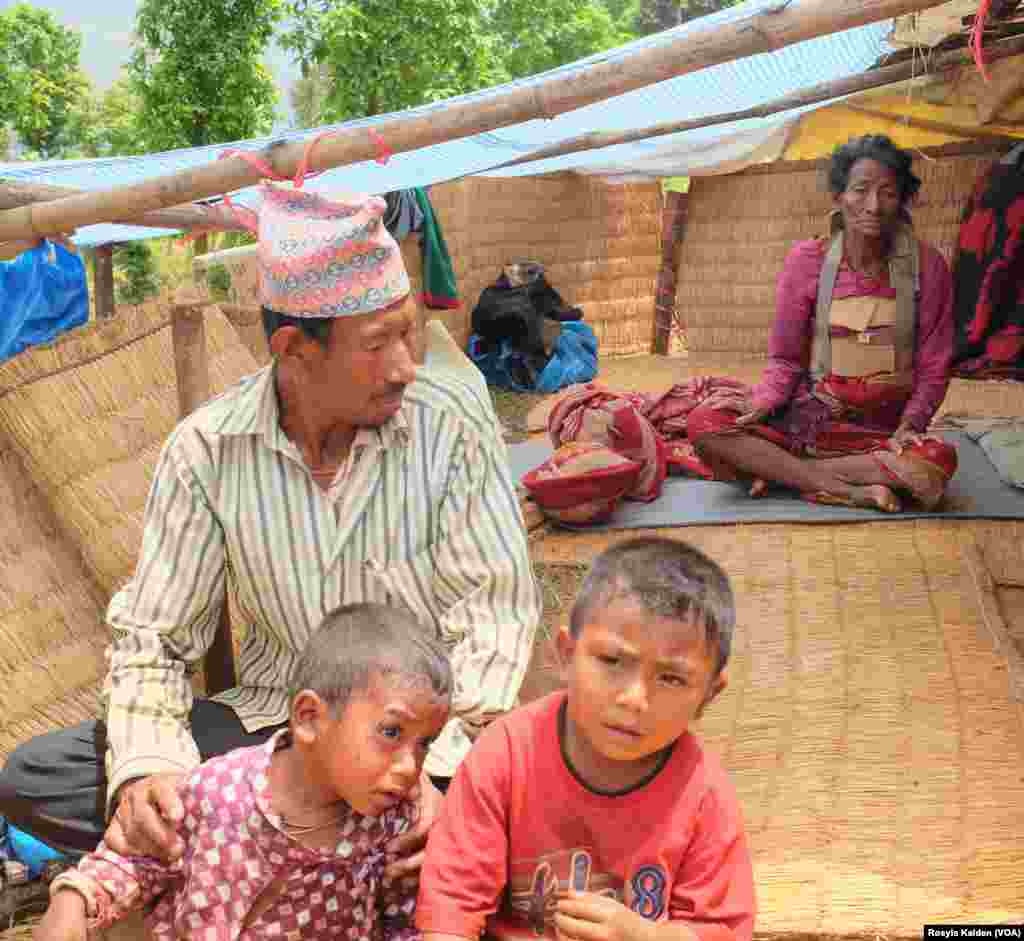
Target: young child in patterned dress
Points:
(286, 840)
(594, 814)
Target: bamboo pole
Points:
(788, 22)
(926, 124)
(823, 91)
(14, 193)
(191, 367)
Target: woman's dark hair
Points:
(316, 328)
(872, 147)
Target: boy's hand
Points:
(587, 916)
(65, 919)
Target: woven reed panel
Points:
(52, 633)
(599, 245)
(89, 415)
(740, 228)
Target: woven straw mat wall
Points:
(741, 226)
(51, 615)
(599, 245)
(81, 425)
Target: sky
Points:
(106, 29)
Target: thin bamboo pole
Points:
(926, 124)
(191, 367)
(788, 22)
(14, 193)
(824, 91)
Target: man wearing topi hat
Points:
(338, 474)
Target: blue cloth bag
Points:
(573, 359)
(43, 293)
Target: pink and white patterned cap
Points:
(324, 257)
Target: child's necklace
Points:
(298, 829)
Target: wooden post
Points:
(191, 368)
(673, 224)
(103, 281)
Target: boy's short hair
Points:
(668, 578)
(357, 642)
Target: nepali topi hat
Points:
(323, 257)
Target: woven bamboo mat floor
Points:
(874, 722)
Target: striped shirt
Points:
(423, 513)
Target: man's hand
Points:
(587, 916)
(146, 819)
(65, 919)
(408, 849)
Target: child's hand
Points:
(65, 919)
(587, 916)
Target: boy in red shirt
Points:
(594, 814)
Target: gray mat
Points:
(975, 492)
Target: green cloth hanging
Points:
(439, 288)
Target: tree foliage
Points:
(105, 125)
(136, 273)
(365, 57)
(41, 82)
(198, 68)
(653, 16)
(384, 56)
(533, 37)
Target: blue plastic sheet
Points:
(573, 359)
(43, 293)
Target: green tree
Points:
(533, 37)
(385, 56)
(105, 125)
(136, 274)
(41, 82)
(653, 16)
(365, 57)
(198, 68)
(309, 95)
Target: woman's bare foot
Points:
(876, 495)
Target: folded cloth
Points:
(1003, 444)
(439, 288)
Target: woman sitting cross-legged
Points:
(859, 355)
